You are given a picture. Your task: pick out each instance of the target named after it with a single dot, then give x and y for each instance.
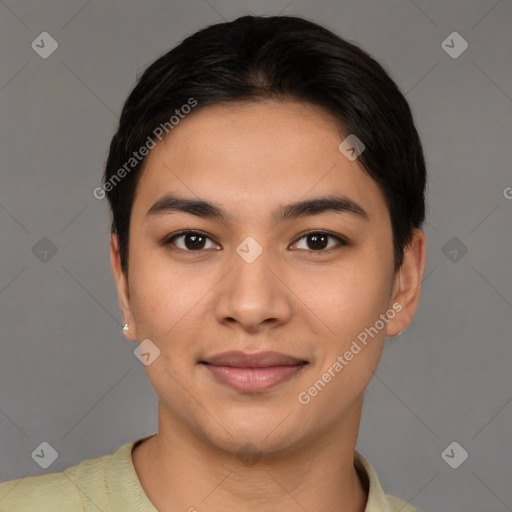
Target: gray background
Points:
(67, 374)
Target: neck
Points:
(180, 471)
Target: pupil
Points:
(197, 243)
(316, 238)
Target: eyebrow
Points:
(171, 203)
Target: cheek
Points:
(349, 297)
(166, 297)
(347, 360)
(351, 302)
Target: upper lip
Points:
(256, 360)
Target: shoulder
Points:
(51, 492)
(55, 492)
(399, 505)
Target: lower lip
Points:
(253, 380)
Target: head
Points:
(297, 245)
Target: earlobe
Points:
(123, 290)
(407, 288)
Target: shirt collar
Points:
(377, 499)
(127, 492)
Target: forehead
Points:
(251, 155)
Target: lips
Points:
(257, 360)
(253, 372)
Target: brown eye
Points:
(191, 241)
(318, 241)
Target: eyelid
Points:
(342, 241)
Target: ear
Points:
(407, 285)
(123, 290)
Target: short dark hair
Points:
(278, 57)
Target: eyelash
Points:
(341, 241)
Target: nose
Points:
(254, 295)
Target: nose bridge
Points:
(251, 279)
(251, 262)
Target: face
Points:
(249, 273)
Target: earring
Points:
(125, 327)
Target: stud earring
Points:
(125, 327)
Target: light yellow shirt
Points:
(110, 484)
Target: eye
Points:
(195, 241)
(318, 240)
(192, 241)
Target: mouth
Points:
(253, 373)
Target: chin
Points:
(250, 433)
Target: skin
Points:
(252, 159)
